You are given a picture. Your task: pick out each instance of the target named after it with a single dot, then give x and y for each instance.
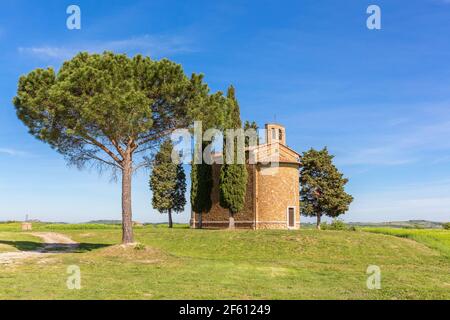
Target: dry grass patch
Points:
(134, 252)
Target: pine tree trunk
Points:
(319, 216)
(127, 220)
(231, 225)
(170, 219)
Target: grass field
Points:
(212, 264)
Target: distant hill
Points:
(104, 222)
(412, 224)
(115, 222)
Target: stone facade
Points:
(277, 190)
(272, 197)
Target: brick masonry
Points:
(270, 191)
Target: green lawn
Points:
(214, 264)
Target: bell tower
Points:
(275, 133)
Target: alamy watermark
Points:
(74, 279)
(374, 20)
(73, 22)
(231, 146)
(374, 279)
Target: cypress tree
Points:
(167, 182)
(322, 186)
(247, 127)
(233, 176)
(201, 174)
(201, 186)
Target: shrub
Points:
(336, 225)
(324, 226)
(139, 247)
(446, 226)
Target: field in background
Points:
(436, 239)
(213, 264)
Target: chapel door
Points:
(291, 217)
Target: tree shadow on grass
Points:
(23, 245)
(53, 247)
(85, 247)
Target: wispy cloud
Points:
(442, 159)
(153, 45)
(13, 152)
(47, 52)
(388, 156)
(401, 140)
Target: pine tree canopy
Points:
(109, 109)
(100, 104)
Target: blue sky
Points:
(379, 99)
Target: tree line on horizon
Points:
(111, 111)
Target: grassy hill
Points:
(217, 264)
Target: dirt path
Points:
(53, 243)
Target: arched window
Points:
(280, 134)
(274, 134)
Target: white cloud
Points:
(375, 156)
(155, 46)
(13, 152)
(439, 160)
(47, 52)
